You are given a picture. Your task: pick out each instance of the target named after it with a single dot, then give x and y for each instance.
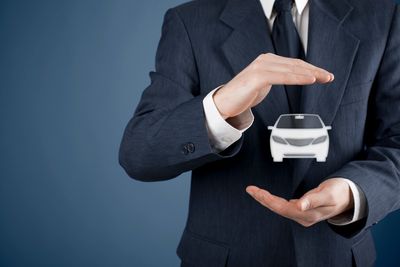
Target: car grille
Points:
(299, 155)
(299, 142)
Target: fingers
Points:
(301, 67)
(288, 78)
(292, 209)
(294, 66)
(276, 204)
(321, 76)
(293, 61)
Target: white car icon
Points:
(299, 136)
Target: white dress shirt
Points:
(222, 133)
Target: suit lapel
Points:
(333, 48)
(250, 37)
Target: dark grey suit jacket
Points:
(203, 45)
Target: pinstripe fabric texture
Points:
(203, 45)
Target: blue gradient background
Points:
(71, 74)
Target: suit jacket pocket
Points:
(198, 251)
(364, 252)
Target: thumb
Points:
(312, 200)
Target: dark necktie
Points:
(287, 43)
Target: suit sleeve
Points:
(377, 173)
(167, 134)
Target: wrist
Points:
(242, 120)
(350, 204)
(219, 104)
(348, 209)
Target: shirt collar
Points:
(269, 4)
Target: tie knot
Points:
(282, 5)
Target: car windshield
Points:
(300, 122)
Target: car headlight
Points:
(319, 140)
(279, 140)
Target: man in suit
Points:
(227, 69)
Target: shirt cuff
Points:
(221, 133)
(359, 210)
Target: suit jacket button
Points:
(190, 147)
(185, 149)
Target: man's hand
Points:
(252, 85)
(332, 197)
